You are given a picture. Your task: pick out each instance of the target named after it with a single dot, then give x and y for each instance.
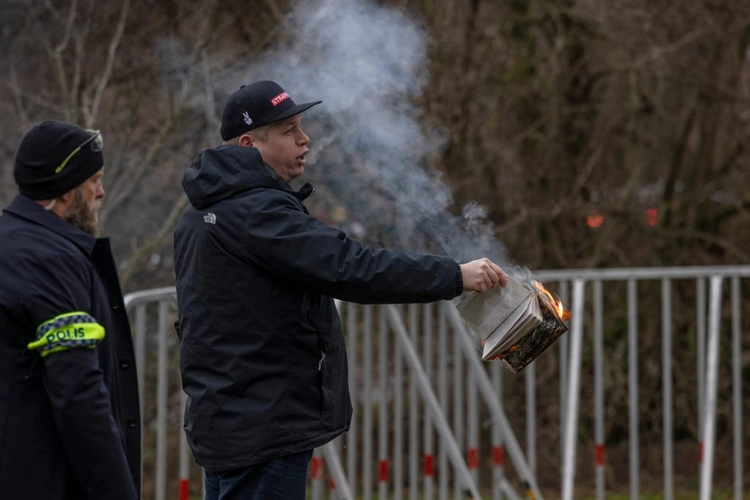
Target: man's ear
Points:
(63, 202)
(68, 197)
(246, 140)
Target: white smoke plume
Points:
(369, 65)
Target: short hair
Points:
(260, 133)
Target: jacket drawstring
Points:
(320, 363)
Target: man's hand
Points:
(481, 275)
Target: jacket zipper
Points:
(320, 363)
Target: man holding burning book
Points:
(262, 352)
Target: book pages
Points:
(484, 312)
(512, 322)
(517, 325)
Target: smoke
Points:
(369, 150)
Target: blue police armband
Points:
(67, 331)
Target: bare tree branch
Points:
(104, 78)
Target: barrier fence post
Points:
(712, 369)
(162, 398)
(427, 466)
(666, 380)
(184, 458)
(383, 407)
(633, 387)
(571, 408)
(599, 389)
(737, 388)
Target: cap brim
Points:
(294, 110)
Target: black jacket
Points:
(262, 352)
(69, 419)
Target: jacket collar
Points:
(33, 212)
(227, 170)
(304, 192)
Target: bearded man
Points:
(69, 414)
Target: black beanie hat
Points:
(42, 151)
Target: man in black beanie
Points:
(69, 414)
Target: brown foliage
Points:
(552, 111)
(558, 109)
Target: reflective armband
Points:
(69, 330)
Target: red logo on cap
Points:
(279, 98)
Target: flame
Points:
(554, 304)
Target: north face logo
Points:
(209, 218)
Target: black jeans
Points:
(283, 478)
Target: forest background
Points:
(544, 133)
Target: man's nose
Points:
(303, 138)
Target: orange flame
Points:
(555, 305)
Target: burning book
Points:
(516, 322)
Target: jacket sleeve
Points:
(66, 340)
(299, 248)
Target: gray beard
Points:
(80, 216)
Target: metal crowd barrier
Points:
(429, 420)
(708, 334)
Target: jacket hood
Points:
(224, 171)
